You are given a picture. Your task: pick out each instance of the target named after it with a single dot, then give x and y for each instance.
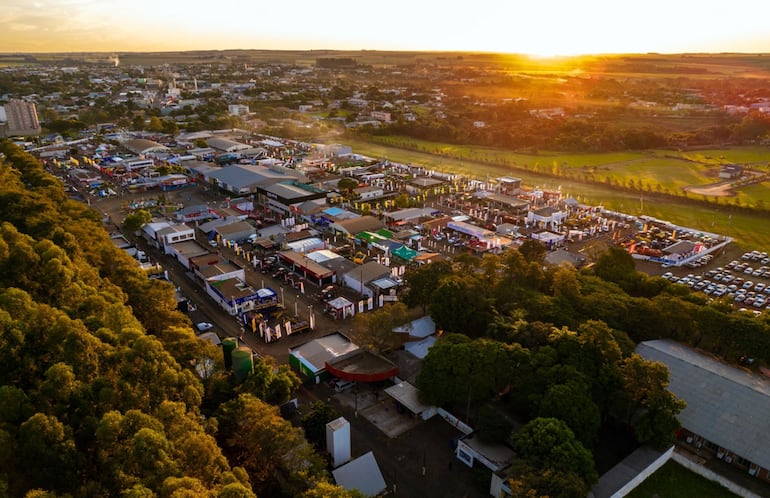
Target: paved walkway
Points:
(380, 410)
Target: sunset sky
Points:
(540, 27)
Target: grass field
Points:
(758, 193)
(750, 231)
(662, 171)
(674, 481)
(757, 156)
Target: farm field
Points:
(673, 481)
(749, 230)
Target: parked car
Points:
(342, 385)
(204, 326)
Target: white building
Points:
(237, 109)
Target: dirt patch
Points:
(721, 189)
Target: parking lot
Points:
(744, 282)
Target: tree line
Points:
(105, 390)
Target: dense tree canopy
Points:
(549, 444)
(99, 393)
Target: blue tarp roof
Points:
(333, 211)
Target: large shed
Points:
(226, 145)
(727, 407)
(143, 146)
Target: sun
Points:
(544, 55)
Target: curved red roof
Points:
(361, 366)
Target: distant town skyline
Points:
(546, 27)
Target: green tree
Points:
(275, 454)
(136, 220)
(533, 251)
(374, 330)
(422, 283)
(170, 127)
(327, 490)
(548, 443)
(270, 382)
(460, 371)
(156, 125)
(460, 304)
(347, 184)
(492, 425)
(617, 265)
(137, 123)
(314, 423)
(526, 481)
(565, 283)
(571, 403)
(47, 454)
(646, 403)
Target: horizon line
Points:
(472, 52)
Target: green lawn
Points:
(674, 481)
(743, 155)
(669, 173)
(749, 230)
(662, 170)
(756, 195)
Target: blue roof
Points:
(333, 211)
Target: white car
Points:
(204, 326)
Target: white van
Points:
(342, 385)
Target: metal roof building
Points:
(144, 146)
(226, 145)
(245, 178)
(727, 408)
